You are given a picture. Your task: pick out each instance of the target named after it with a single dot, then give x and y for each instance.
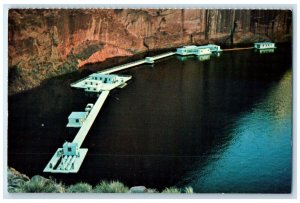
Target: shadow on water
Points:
(168, 122)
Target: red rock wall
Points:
(44, 43)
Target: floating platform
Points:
(98, 82)
(198, 50)
(69, 158)
(76, 119)
(60, 163)
(193, 50)
(264, 45)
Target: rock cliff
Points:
(43, 43)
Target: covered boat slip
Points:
(198, 50)
(193, 50)
(264, 45)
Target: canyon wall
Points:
(44, 43)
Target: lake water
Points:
(219, 125)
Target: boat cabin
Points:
(70, 149)
(76, 119)
(264, 45)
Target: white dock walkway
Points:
(163, 55)
(68, 159)
(135, 63)
(80, 136)
(122, 67)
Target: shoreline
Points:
(21, 183)
(118, 60)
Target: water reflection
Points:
(185, 58)
(217, 54)
(199, 58)
(203, 58)
(265, 51)
(153, 132)
(247, 165)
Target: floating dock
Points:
(69, 158)
(264, 45)
(136, 63)
(198, 50)
(193, 50)
(90, 119)
(97, 82)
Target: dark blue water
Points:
(220, 125)
(258, 157)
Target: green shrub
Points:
(111, 187)
(171, 190)
(39, 184)
(188, 190)
(151, 190)
(79, 188)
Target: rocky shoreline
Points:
(20, 183)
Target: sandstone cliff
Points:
(43, 43)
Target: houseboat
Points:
(264, 45)
(193, 50)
